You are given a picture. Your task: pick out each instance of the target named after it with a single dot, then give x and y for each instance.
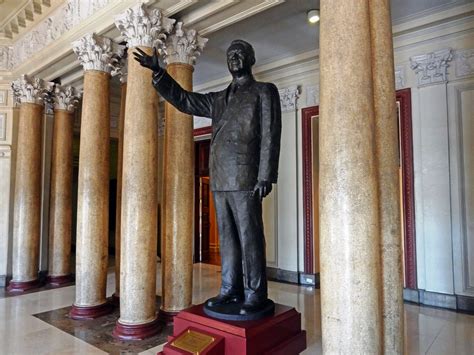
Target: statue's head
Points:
(240, 57)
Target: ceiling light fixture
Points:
(313, 16)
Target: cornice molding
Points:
(183, 45)
(65, 98)
(288, 98)
(432, 68)
(98, 53)
(141, 26)
(33, 90)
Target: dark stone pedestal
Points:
(127, 332)
(19, 286)
(279, 334)
(57, 281)
(231, 311)
(85, 313)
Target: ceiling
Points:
(8, 8)
(282, 31)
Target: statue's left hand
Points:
(148, 61)
(262, 188)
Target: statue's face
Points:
(238, 59)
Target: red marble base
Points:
(22, 286)
(167, 317)
(137, 332)
(84, 313)
(57, 281)
(280, 334)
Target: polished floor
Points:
(428, 330)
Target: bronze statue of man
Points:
(245, 149)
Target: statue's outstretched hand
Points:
(262, 188)
(148, 61)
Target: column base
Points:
(22, 286)
(166, 317)
(92, 312)
(56, 281)
(115, 300)
(137, 331)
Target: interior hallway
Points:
(429, 330)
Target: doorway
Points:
(206, 237)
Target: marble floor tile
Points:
(428, 330)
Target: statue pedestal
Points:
(194, 331)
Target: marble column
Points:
(349, 225)
(30, 92)
(118, 211)
(182, 48)
(99, 56)
(60, 215)
(387, 160)
(141, 28)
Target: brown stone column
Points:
(118, 212)
(387, 159)
(178, 181)
(97, 56)
(27, 196)
(350, 234)
(139, 220)
(60, 216)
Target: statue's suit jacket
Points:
(245, 145)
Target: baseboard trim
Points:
(309, 279)
(454, 302)
(281, 275)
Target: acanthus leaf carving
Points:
(464, 62)
(432, 68)
(143, 27)
(183, 46)
(32, 90)
(65, 98)
(288, 97)
(98, 53)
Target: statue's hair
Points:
(248, 48)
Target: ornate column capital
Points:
(288, 97)
(183, 45)
(432, 68)
(65, 98)
(98, 53)
(31, 89)
(143, 27)
(123, 73)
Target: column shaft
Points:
(178, 204)
(27, 198)
(118, 212)
(93, 198)
(350, 253)
(387, 158)
(60, 216)
(139, 206)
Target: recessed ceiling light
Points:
(313, 16)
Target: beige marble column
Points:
(182, 48)
(349, 226)
(60, 215)
(141, 28)
(98, 56)
(118, 211)
(387, 159)
(29, 92)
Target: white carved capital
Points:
(432, 68)
(312, 95)
(31, 89)
(123, 70)
(399, 77)
(143, 27)
(98, 53)
(464, 62)
(65, 98)
(183, 46)
(288, 97)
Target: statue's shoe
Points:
(223, 299)
(251, 307)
